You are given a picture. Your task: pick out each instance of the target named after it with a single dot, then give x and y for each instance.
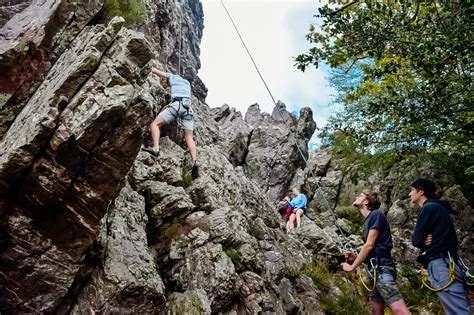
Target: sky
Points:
(274, 32)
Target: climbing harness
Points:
(184, 102)
(468, 277)
(347, 245)
(452, 276)
(372, 275)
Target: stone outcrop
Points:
(263, 145)
(31, 42)
(11, 8)
(90, 223)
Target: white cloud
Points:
(274, 32)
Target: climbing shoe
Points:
(195, 171)
(152, 152)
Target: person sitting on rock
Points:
(376, 254)
(284, 208)
(298, 205)
(180, 107)
(435, 236)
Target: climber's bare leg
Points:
(292, 221)
(155, 131)
(377, 308)
(299, 214)
(188, 137)
(399, 308)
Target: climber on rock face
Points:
(436, 238)
(287, 208)
(376, 254)
(298, 205)
(179, 108)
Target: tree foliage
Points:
(133, 11)
(403, 71)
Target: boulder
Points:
(192, 302)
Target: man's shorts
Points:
(179, 110)
(386, 290)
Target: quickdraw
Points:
(452, 276)
(469, 280)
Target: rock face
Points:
(31, 42)
(11, 8)
(263, 145)
(90, 223)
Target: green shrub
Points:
(173, 231)
(352, 215)
(235, 255)
(346, 302)
(418, 298)
(133, 11)
(254, 231)
(186, 177)
(318, 272)
(271, 222)
(292, 271)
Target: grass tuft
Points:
(173, 231)
(235, 255)
(254, 231)
(186, 177)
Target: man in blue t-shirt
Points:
(180, 107)
(299, 205)
(376, 253)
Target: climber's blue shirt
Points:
(299, 201)
(179, 87)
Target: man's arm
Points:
(364, 252)
(422, 229)
(158, 72)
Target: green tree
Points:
(133, 11)
(403, 71)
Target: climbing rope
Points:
(180, 47)
(373, 276)
(452, 276)
(178, 4)
(347, 245)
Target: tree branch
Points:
(416, 11)
(343, 8)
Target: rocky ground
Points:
(89, 223)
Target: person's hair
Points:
(373, 200)
(427, 186)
